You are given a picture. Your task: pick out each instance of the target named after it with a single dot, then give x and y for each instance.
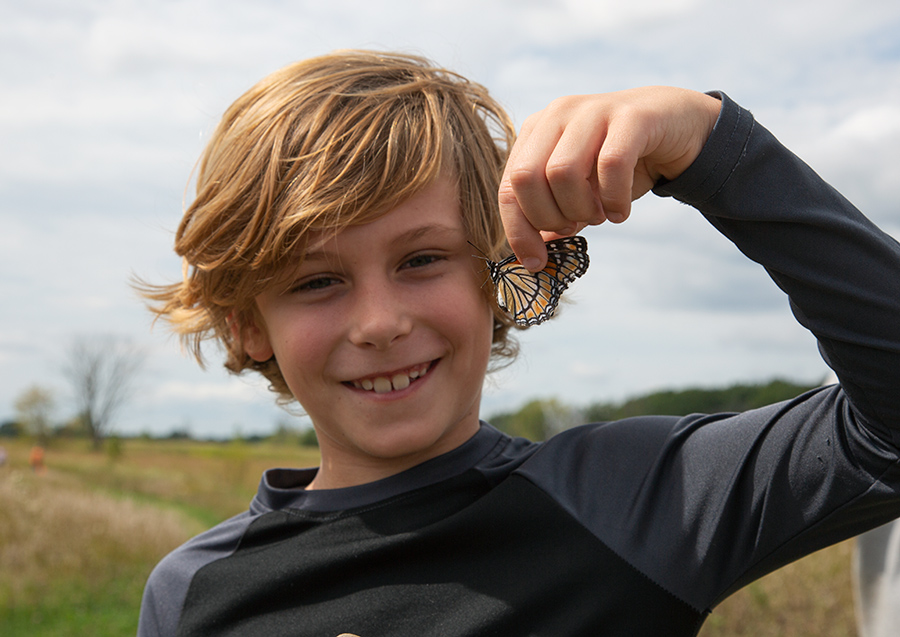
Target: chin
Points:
(415, 441)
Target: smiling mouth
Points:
(393, 382)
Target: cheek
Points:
(302, 349)
(469, 317)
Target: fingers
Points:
(567, 170)
(552, 169)
(524, 238)
(521, 232)
(584, 159)
(616, 163)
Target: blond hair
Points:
(323, 144)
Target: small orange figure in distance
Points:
(36, 459)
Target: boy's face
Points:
(383, 335)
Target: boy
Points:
(328, 249)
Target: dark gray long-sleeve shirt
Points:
(635, 527)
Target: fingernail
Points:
(531, 264)
(615, 217)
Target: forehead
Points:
(432, 213)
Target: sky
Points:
(106, 106)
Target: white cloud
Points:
(870, 125)
(234, 390)
(565, 21)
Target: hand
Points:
(584, 159)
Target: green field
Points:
(78, 540)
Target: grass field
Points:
(78, 540)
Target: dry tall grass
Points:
(53, 531)
(809, 598)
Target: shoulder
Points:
(168, 584)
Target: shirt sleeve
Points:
(704, 504)
(168, 584)
(821, 468)
(840, 272)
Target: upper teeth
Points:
(400, 380)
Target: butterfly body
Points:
(532, 298)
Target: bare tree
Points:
(102, 371)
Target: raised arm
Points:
(706, 504)
(840, 271)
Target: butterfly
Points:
(531, 298)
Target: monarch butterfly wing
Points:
(567, 259)
(530, 298)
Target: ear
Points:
(246, 330)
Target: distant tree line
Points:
(540, 419)
(536, 420)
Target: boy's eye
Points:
(319, 283)
(421, 260)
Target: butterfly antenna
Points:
(478, 256)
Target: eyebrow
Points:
(413, 234)
(423, 231)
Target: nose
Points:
(380, 314)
